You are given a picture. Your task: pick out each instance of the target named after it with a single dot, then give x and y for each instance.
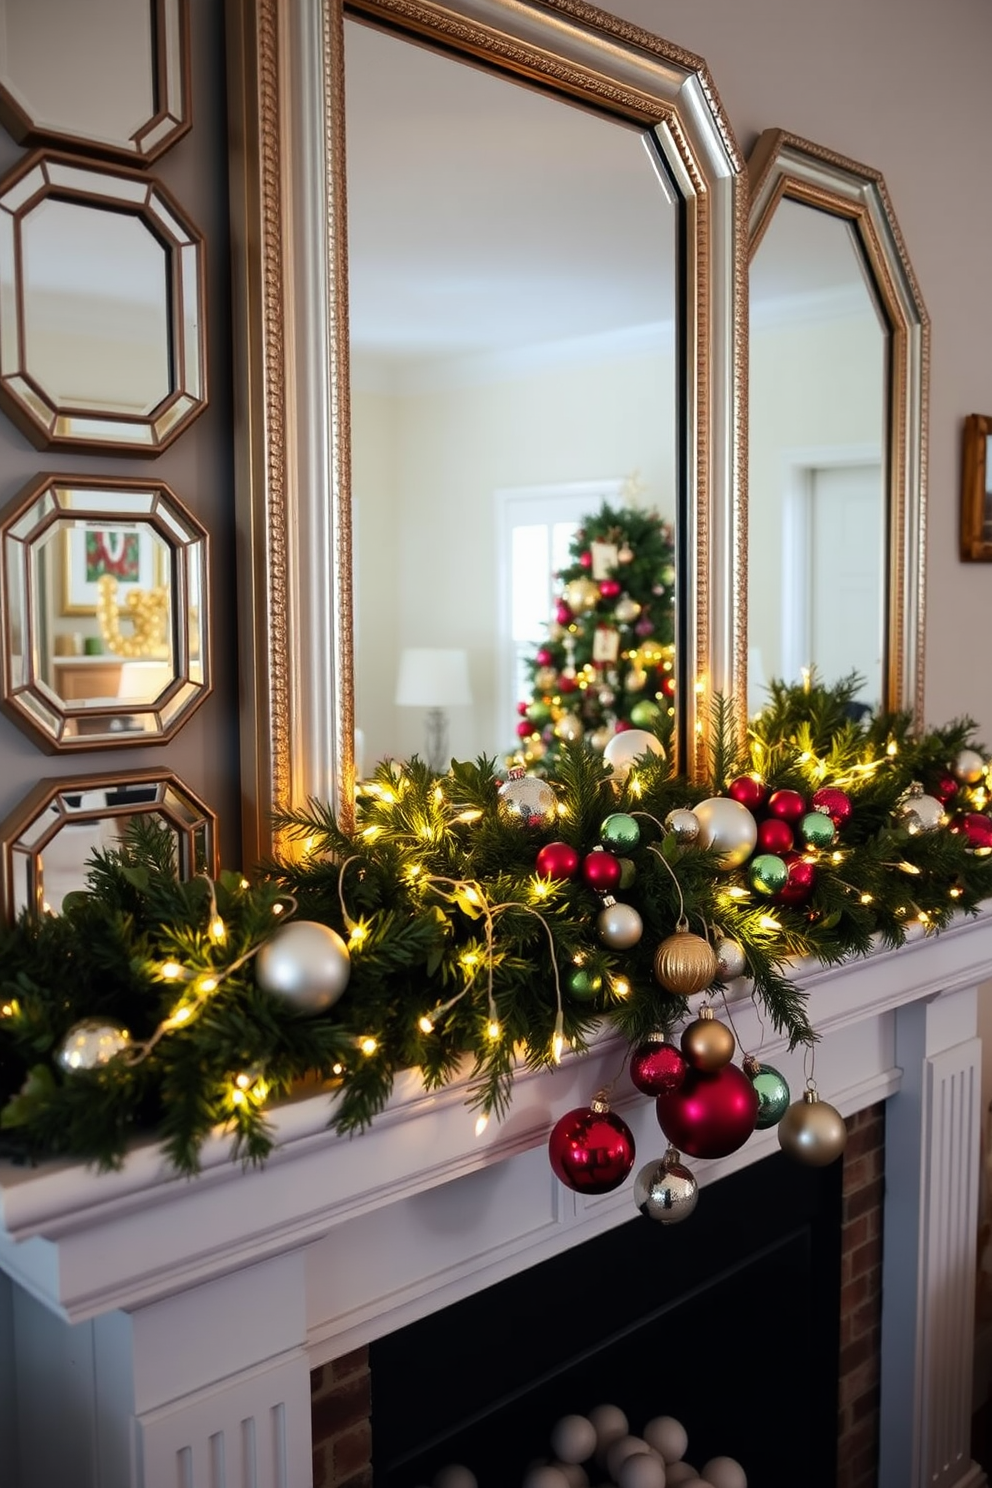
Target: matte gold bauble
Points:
(569, 728)
(812, 1131)
(545, 678)
(581, 595)
(707, 1043)
(685, 963)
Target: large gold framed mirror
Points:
(105, 618)
(293, 106)
(63, 80)
(839, 360)
(46, 844)
(103, 347)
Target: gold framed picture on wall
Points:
(976, 489)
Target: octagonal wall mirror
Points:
(839, 348)
(291, 104)
(46, 845)
(103, 347)
(105, 623)
(111, 78)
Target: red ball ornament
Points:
(711, 1115)
(522, 709)
(545, 657)
(585, 560)
(834, 803)
(658, 1068)
(601, 871)
(591, 1149)
(610, 588)
(621, 725)
(558, 860)
(749, 791)
(787, 804)
(668, 685)
(945, 789)
(525, 729)
(774, 836)
(563, 613)
(976, 828)
(799, 884)
(566, 684)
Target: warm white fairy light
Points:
(170, 971)
(217, 930)
(425, 1025)
(494, 1030)
(768, 922)
(480, 1125)
(358, 934)
(368, 1045)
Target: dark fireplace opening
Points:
(729, 1321)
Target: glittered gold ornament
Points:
(684, 962)
(707, 1043)
(581, 595)
(812, 1131)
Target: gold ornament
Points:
(626, 610)
(969, 767)
(685, 963)
(636, 680)
(146, 609)
(707, 1043)
(581, 595)
(545, 678)
(812, 1131)
(569, 728)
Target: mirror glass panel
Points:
(62, 78)
(100, 345)
(105, 636)
(513, 364)
(817, 450)
(48, 843)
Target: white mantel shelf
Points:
(202, 1304)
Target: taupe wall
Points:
(902, 86)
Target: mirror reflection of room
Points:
(817, 452)
(512, 291)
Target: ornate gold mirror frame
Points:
(783, 166)
(289, 227)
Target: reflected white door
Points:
(845, 560)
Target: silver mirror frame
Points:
(290, 256)
(783, 165)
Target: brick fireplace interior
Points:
(768, 1296)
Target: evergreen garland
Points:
(454, 938)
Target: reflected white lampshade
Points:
(434, 678)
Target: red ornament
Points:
(563, 613)
(668, 685)
(774, 836)
(558, 860)
(545, 657)
(567, 684)
(609, 588)
(749, 791)
(525, 729)
(585, 560)
(657, 1068)
(622, 724)
(601, 871)
(712, 1114)
(591, 1149)
(799, 884)
(976, 828)
(834, 803)
(945, 789)
(522, 709)
(787, 804)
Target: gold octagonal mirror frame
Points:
(154, 647)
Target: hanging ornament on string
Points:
(811, 1130)
(707, 1043)
(665, 1190)
(728, 828)
(625, 748)
(618, 926)
(773, 1091)
(305, 964)
(591, 1148)
(711, 1115)
(91, 1044)
(731, 962)
(657, 1067)
(527, 801)
(685, 963)
(969, 766)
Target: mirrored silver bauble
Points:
(920, 813)
(665, 1190)
(90, 1045)
(683, 824)
(306, 964)
(730, 959)
(626, 747)
(527, 801)
(728, 827)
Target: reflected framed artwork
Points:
(976, 489)
(130, 554)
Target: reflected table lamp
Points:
(435, 679)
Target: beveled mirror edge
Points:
(74, 744)
(287, 182)
(173, 96)
(46, 791)
(783, 164)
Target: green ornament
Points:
(645, 713)
(584, 985)
(619, 832)
(539, 713)
(817, 830)
(627, 873)
(768, 873)
(773, 1095)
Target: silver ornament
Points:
(683, 824)
(607, 697)
(527, 801)
(90, 1045)
(729, 827)
(626, 747)
(569, 728)
(730, 957)
(619, 925)
(306, 964)
(969, 766)
(626, 610)
(920, 813)
(665, 1190)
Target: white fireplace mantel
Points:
(177, 1320)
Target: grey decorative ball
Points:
(683, 824)
(90, 1045)
(619, 925)
(920, 813)
(666, 1191)
(306, 964)
(730, 957)
(969, 766)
